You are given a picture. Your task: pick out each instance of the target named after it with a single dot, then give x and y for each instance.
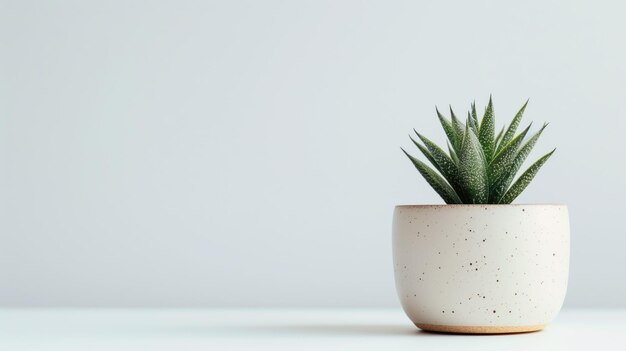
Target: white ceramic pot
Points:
(481, 268)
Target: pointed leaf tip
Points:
(522, 182)
(512, 128)
(486, 132)
(435, 180)
(472, 169)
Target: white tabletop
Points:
(284, 329)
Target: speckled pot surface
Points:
(481, 268)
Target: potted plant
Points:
(479, 264)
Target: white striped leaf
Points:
(510, 131)
(500, 186)
(500, 163)
(522, 182)
(473, 170)
(450, 131)
(444, 164)
(436, 181)
(487, 131)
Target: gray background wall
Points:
(246, 153)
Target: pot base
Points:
(462, 329)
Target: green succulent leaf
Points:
(426, 153)
(472, 169)
(453, 155)
(500, 185)
(472, 124)
(498, 137)
(474, 115)
(501, 161)
(436, 181)
(459, 128)
(444, 163)
(487, 131)
(450, 131)
(510, 131)
(522, 182)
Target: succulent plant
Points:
(480, 165)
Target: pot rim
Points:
(479, 205)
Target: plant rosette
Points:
(480, 264)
